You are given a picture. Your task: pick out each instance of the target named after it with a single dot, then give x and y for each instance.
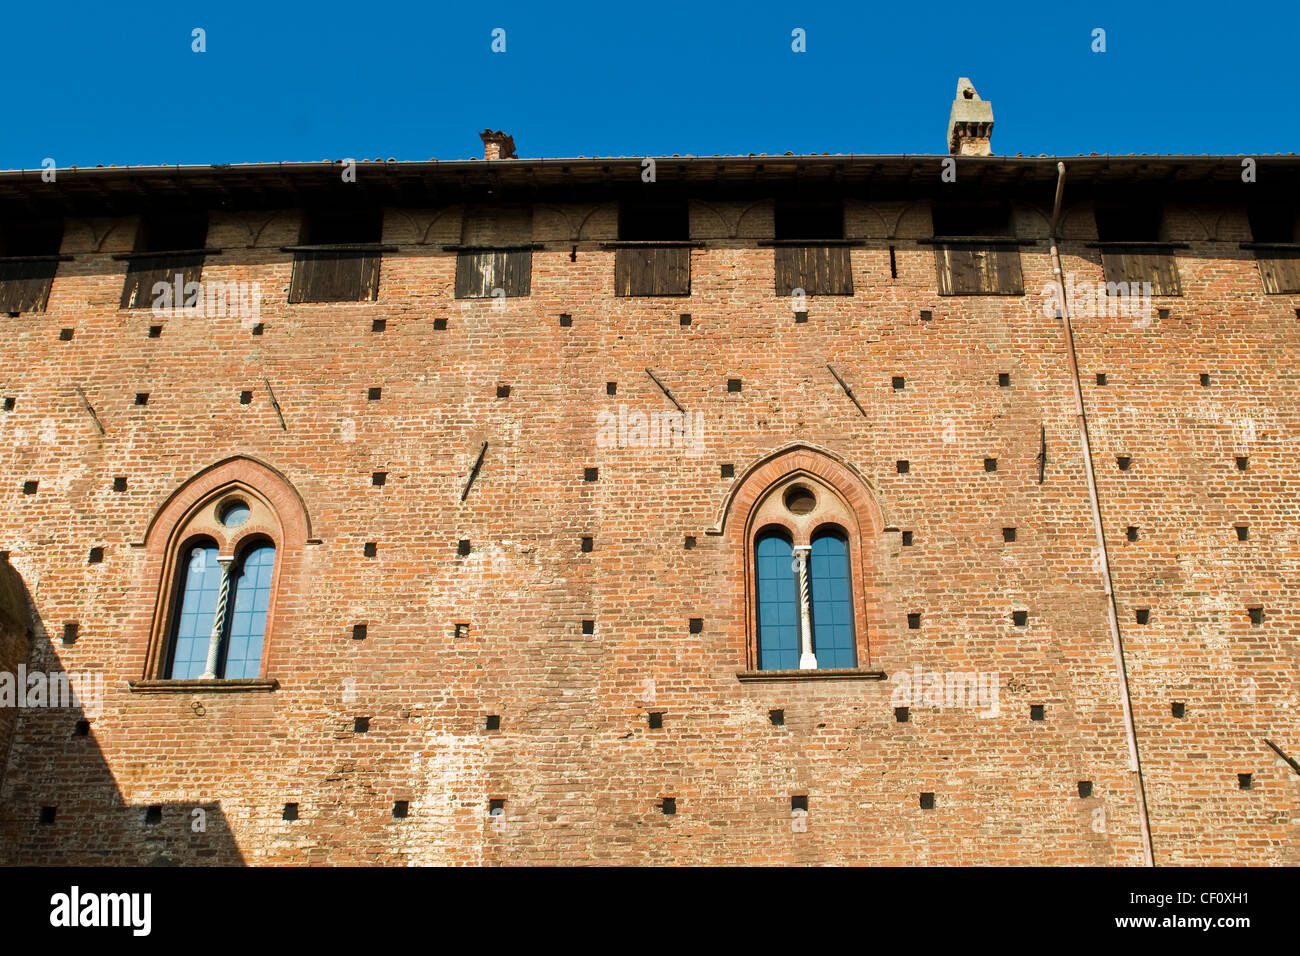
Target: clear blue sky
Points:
(90, 83)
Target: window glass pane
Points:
(832, 601)
(250, 597)
(778, 604)
(200, 587)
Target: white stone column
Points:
(807, 659)
(218, 620)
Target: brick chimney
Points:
(970, 123)
(497, 145)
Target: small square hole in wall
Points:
(440, 324)
(1244, 781)
(370, 549)
(898, 382)
(1008, 534)
(1205, 378)
(96, 556)
(1143, 614)
(378, 478)
(460, 630)
(374, 393)
(903, 466)
(155, 331)
(503, 391)
(9, 403)
(668, 806)
(696, 625)
(81, 728)
(776, 717)
(588, 544)
(142, 398)
(1085, 788)
(800, 318)
(902, 714)
(590, 474)
(733, 384)
(496, 808)
(259, 329)
(1178, 709)
(1243, 532)
(358, 632)
(689, 542)
(1242, 462)
(990, 464)
(493, 722)
(656, 720)
(361, 725)
(727, 471)
(47, 815)
(907, 539)
(926, 315)
(290, 812)
(913, 622)
(401, 809)
(589, 626)
(1101, 378)
(1004, 380)
(611, 388)
(245, 398)
(1019, 618)
(1256, 615)
(566, 320)
(927, 801)
(462, 547)
(378, 325)
(70, 632)
(1036, 712)
(1131, 532)
(799, 802)
(685, 319)
(1162, 313)
(153, 815)
(65, 335)
(29, 487)
(1123, 461)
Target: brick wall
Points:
(582, 776)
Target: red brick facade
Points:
(582, 775)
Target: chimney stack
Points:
(497, 145)
(970, 123)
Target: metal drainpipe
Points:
(1135, 764)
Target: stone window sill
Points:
(829, 673)
(222, 686)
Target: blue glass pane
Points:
(832, 602)
(778, 604)
(200, 586)
(250, 597)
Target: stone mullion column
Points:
(807, 659)
(218, 620)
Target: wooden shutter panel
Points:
(1280, 270)
(1158, 268)
(334, 276)
(818, 270)
(652, 271)
(25, 286)
(479, 271)
(975, 269)
(144, 273)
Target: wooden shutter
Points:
(653, 270)
(818, 270)
(144, 272)
(479, 271)
(336, 275)
(1280, 270)
(975, 269)
(1137, 267)
(25, 286)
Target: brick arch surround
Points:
(737, 526)
(289, 529)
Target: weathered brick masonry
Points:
(582, 775)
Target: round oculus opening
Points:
(799, 500)
(233, 513)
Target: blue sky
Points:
(91, 83)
